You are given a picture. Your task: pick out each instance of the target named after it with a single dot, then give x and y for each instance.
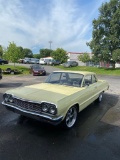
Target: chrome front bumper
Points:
(37, 116)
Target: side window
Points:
(88, 80)
(94, 79)
(63, 77)
(54, 78)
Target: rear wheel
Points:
(70, 118)
(100, 97)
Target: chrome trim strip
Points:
(35, 114)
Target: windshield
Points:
(65, 78)
(36, 66)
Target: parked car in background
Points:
(53, 62)
(20, 60)
(70, 64)
(45, 60)
(26, 60)
(2, 61)
(59, 99)
(37, 70)
(30, 60)
(0, 73)
(34, 61)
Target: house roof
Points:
(74, 53)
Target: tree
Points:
(12, 53)
(27, 53)
(84, 57)
(36, 56)
(45, 53)
(1, 51)
(106, 31)
(21, 52)
(95, 59)
(60, 54)
(116, 55)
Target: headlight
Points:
(45, 107)
(11, 99)
(48, 108)
(52, 110)
(8, 98)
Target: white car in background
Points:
(45, 60)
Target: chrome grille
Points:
(31, 106)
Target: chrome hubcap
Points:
(71, 117)
(100, 98)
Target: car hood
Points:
(44, 92)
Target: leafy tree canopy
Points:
(106, 31)
(116, 55)
(36, 56)
(12, 53)
(1, 51)
(95, 59)
(27, 53)
(21, 52)
(60, 54)
(45, 53)
(84, 57)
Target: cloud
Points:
(33, 24)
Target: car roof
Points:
(79, 72)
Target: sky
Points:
(34, 23)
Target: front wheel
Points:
(70, 118)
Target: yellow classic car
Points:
(58, 99)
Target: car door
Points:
(89, 91)
(73, 64)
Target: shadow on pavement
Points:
(10, 85)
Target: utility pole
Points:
(50, 43)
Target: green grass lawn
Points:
(99, 71)
(23, 70)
